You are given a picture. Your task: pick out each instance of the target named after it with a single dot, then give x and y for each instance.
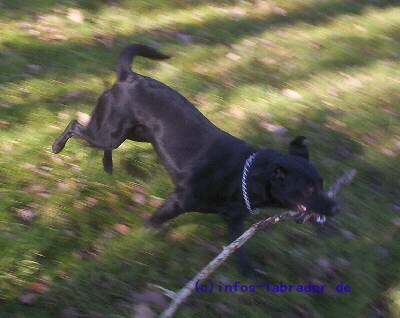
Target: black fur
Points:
(204, 162)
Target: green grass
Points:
(341, 57)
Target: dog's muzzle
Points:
(318, 218)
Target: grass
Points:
(237, 61)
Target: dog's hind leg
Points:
(76, 129)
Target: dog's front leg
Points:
(107, 161)
(171, 208)
(235, 228)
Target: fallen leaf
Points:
(388, 152)
(347, 234)
(396, 206)
(138, 198)
(26, 214)
(138, 188)
(106, 39)
(7, 147)
(83, 118)
(148, 296)
(38, 287)
(142, 311)
(382, 252)
(33, 32)
(77, 254)
(155, 202)
(268, 60)
(75, 15)
(45, 168)
(61, 274)
(35, 188)
(265, 115)
(343, 151)
(324, 263)
(233, 56)
(73, 167)
(5, 105)
(69, 233)
(198, 68)
(73, 95)
(33, 68)
(69, 312)
(238, 11)
(342, 262)
(223, 309)
(290, 93)
(314, 45)
(275, 129)
(54, 127)
(121, 228)
(63, 116)
(280, 11)
(63, 186)
(24, 24)
(312, 124)
(220, 278)
(249, 42)
(95, 314)
(238, 113)
(27, 299)
(108, 234)
(184, 37)
(214, 248)
(90, 202)
(56, 159)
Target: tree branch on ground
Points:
(182, 294)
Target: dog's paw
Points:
(248, 271)
(57, 147)
(153, 225)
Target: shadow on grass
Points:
(63, 61)
(23, 9)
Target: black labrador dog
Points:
(213, 171)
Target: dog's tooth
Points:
(321, 219)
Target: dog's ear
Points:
(298, 148)
(259, 179)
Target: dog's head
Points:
(289, 181)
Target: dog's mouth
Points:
(307, 215)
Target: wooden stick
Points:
(182, 294)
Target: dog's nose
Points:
(335, 209)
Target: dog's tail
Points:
(130, 52)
